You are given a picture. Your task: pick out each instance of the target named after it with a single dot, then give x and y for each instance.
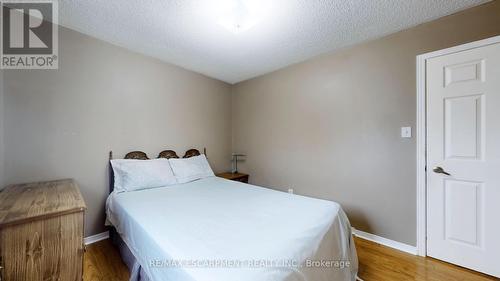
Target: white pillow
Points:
(190, 169)
(141, 174)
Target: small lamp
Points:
(235, 161)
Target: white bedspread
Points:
(219, 230)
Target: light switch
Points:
(406, 132)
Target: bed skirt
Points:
(136, 271)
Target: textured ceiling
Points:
(185, 33)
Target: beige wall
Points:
(330, 127)
(62, 123)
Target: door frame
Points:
(421, 131)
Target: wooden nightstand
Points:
(234, 177)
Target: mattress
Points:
(221, 230)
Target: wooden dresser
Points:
(41, 231)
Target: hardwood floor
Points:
(376, 263)
(102, 262)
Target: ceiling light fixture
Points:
(239, 15)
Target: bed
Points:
(221, 230)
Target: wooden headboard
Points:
(139, 155)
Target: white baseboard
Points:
(96, 238)
(386, 242)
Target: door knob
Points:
(439, 170)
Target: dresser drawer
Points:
(48, 249)
(41, 231)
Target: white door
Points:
(463, 158)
